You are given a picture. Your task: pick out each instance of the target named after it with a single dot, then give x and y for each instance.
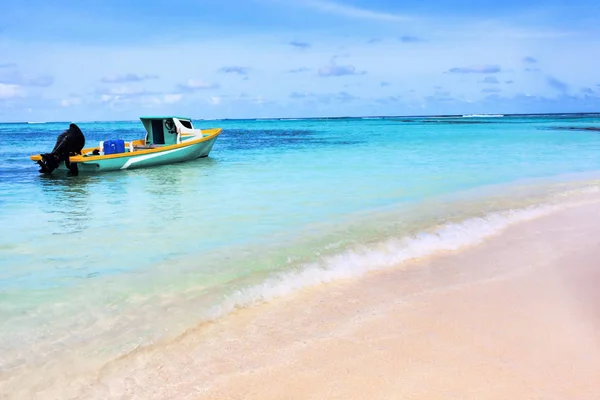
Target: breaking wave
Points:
(390, 253)
(483, 115)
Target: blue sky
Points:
(106, 60)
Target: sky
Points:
(94, 60)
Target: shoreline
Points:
(514, 316)
(435, 261)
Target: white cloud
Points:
(172, 98)
(259, 100)
(349, 11)
(195, 84)
(9, 91)
(71, 101)
(214, 100)
(124, 91)
(149, 101)
(142, 98)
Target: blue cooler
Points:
(113, 146)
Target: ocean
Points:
(93, 267)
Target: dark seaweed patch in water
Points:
(242, 139)
(573, 128)
(344, 142)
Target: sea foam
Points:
(358, 261)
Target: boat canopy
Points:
(167, 130)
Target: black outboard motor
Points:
(68, 143)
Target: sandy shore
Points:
(515, 317)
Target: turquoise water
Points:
(96, 265)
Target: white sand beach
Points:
(515, 317)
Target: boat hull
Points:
(171, 156)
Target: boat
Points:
(169, 139)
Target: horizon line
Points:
(482, 115)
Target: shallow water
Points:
(95, 265)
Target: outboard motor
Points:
(68, 143)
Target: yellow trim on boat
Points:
(80, 158)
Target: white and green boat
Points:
(168, 140)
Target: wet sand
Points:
(515, 317)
